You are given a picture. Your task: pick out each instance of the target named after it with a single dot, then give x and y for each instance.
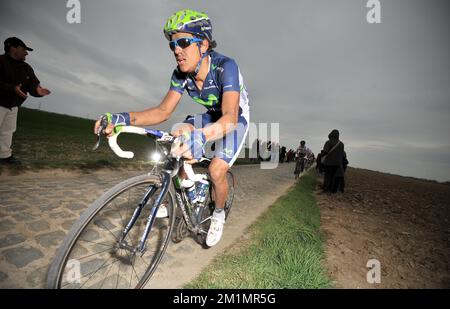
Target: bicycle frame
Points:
(151, 218)
(136, 235)
(191, 219)
(168, 173)
(136, 213)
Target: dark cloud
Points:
(310, 65)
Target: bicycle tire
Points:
(302, 166)
(297, 169)
(231, 189)
(59, 267)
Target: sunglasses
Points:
(183, 42)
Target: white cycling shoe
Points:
(216, 228)
(162, 212)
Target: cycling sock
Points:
(219, 213)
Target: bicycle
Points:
(299, 166)
(113, 244)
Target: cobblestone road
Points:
(37, 211)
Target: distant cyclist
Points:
(301, 156)
(212, 80)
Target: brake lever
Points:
(103, 125)
(97, 143)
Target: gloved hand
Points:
(115, 121)
(189, 145)
(120, 119)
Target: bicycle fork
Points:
(151, 218)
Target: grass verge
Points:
(282, 249)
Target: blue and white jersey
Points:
(223, 76)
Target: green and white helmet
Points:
(190, 21)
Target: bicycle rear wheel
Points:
(302, 166)
(91, 256)
(231, 187)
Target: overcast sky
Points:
(311, 66)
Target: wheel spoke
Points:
(109, 231)
(106, 276)
(120, 214)
(96, 272)
(92, 254)
(96, 247)
(91, 272)
(98, 243)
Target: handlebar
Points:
(160, 135)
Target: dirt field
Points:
(402, 222)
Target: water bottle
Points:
(189, 186)
(202, 190)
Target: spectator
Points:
(282, 154)
(290, 155)
(311, 159)
(254, 152)
(264, 155)
(275, 152)
(17, 78)
(332, 158)
(257, 149)
(319, 165)
(339, 179)
(269, 149)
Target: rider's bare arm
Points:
(151, 116)
(228, 121)
(158, 114)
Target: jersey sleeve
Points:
(230, 76)
(177, 82)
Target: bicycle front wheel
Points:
(297, 169)
(93, 254)
(302, 166)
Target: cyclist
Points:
(301, 154)
(212, 80)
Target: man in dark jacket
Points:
(282, 154)
(17, 78)
(339, 177)
(332, 158)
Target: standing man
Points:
(332, 159)
(17, 79)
